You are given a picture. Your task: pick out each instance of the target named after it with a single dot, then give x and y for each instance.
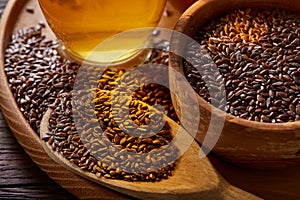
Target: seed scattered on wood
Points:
(40, 78)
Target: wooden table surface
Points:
(20, 177)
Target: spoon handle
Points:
(230, 192)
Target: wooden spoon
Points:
(193, 178)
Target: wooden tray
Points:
(16, 17)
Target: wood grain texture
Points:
(20, 178)
(12, 21)
(80, 187)
(268, 188)
(199, 180)
(193, 178)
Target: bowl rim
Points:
(182, 26)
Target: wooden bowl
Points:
(193, 178)
(182, 5)
(244, 142)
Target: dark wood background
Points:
(20, 177)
